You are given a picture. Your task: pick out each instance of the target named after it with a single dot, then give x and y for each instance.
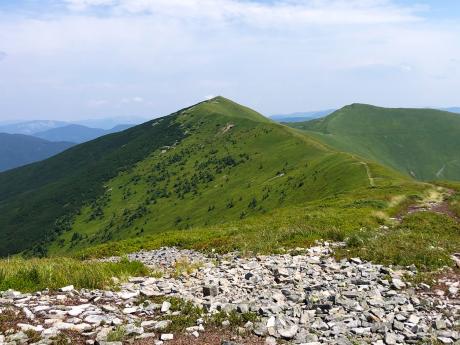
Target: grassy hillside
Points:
(233, 165)
(17, 150)
(37, 201)
(332, 218)
(213, 163)
(422, 143)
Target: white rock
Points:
(67, 288)
(165, 307)
(398, 284)
(128, 295)
(77, 310)
(41, 308)
(288, 332)
(26, 327)
(82, 327)
(130, 310)
(28, 313)
(390, 339)
(95, 319)
(64, 326)
(167, 336)
(271, 322)
(413, 319)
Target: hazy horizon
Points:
(71, 60)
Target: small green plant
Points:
(156, 273)
(60, 339)
(8, 319)
(236, 319)
(187, 317)
(355, 241)
(33, 336)
(118, 334)
(2, 275)
(184, 266)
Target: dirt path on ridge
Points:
(436, 202)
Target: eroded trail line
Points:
(366, 166)
(369, 176)
(436, 201)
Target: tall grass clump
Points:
(54, 273)
(454, 204)
(424, 239)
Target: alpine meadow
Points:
(303, 190)
(422, 143)
(212, 163)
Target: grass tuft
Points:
(236, 319)
(9, 318)
(33, 336)
(189, 314)
(54, 273)
(118, 334)
(183, 266)
(424, 239)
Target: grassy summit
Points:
(422, 143)
(232, 165)
(212, 163)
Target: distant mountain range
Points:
(18, 149)
(453, 110)
(111, 122)
(30, 127)
(311, 115)
(38, 126)
(77, 133)
(301, 116)
(43, 140)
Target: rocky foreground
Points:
(304, 297)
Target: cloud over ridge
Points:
(262, 13)
(148, 57)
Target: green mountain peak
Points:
(422, 143)
(224, 107)
(214, 162)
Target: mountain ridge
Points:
(213, 162)
(18, 150)
(30, 127)
(77, 133)
(418, 142)
(301, 116)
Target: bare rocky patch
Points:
(302, 297)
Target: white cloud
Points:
(80, 5)
(135, 99)
(280, 12)
(281, 57)
(98, 103)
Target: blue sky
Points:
(73, 59)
